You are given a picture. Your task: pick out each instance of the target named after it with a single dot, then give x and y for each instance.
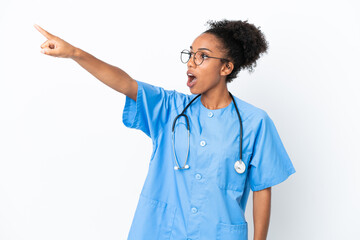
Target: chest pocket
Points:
(232, 232)
(227, 177)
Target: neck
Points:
(216, 98)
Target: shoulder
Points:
(251, 112)
(256, 120)
(166, 96)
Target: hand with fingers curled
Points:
(55, 46)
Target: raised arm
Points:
(110, 75)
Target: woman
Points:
(203, 165)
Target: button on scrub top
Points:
(208, 200)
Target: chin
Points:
(194, 91)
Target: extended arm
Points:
(110, 75)
(261, 213)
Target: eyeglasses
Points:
(198, 57)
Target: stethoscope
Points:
(239, 165)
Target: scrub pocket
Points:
(227, 177)
(153, 220)
(232, 232)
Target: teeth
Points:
(190, 75)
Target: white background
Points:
(70, 169)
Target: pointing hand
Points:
(55, 46)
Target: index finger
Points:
(43, 32)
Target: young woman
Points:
(209, 148)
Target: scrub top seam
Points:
(275, 182)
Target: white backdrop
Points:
(70, 169)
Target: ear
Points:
(227, 68)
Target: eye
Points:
(204, 56)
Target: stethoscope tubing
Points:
(241, 127)
(182, 114)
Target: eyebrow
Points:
(201, 49)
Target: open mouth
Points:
(191, 79)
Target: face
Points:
(211, 74)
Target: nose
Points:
(191, 62)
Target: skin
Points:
(211, 76)
(261, 213)
(211, 83)
(112, 76)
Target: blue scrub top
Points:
(208, 200)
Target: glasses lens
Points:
(185, 56)
(199, 58)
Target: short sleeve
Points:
(270, 163)
(151, 110)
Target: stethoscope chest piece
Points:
(239, 166)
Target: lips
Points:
(191, 79)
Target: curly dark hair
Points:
(243, 43)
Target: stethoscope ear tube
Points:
(182, 114)
(177, 167)
(187, 121)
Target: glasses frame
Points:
(193, 55)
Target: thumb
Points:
(49, 47)
(49, 51)
(46, 51)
